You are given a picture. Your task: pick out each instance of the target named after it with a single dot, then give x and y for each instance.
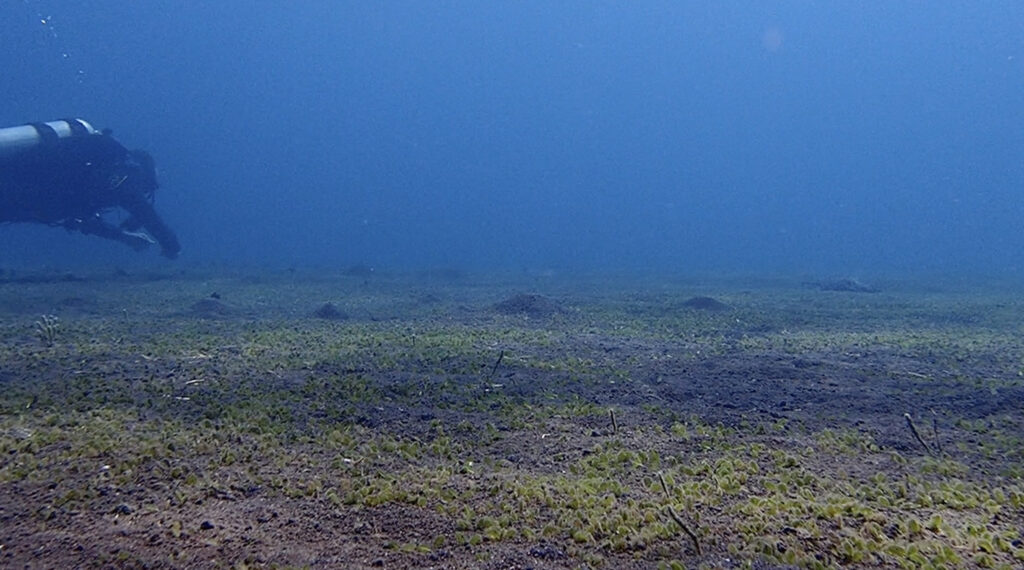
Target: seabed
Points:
(227, 419)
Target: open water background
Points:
(850, 139)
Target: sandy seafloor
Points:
(212, 419)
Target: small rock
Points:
(123, 509)
(547, 552)
(330, 312)
(206, 525)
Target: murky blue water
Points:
(828, 138)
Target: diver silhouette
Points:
(66, 173)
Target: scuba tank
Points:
(16, 139)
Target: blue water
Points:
(838, 138)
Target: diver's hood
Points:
(14, 140)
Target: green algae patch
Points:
(625, 432)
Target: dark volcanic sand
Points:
(453, 424)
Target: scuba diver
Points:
(66, 173)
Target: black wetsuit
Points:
(72, 181)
